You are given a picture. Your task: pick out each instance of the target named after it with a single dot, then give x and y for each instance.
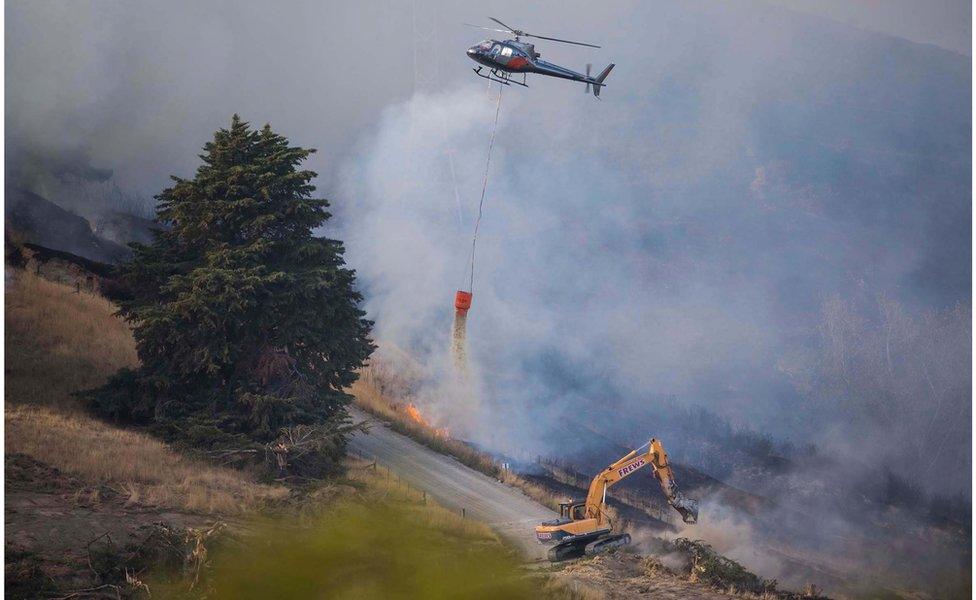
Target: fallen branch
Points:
(93, 592)
(88, 551)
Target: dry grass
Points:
(537, 492)
(134, 464)
(57, 341)
(573, 589)
(372, 395)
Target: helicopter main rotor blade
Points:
(503, 25)
(521, 33)
(542, 37)
(487, 28)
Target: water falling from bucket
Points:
(462, 302)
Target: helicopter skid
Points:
(495, 75)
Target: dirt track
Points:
(506, 510)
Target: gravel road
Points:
(506, 510)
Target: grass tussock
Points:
(141, 468)
(58, 342)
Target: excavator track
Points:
(607, 543)
(585, 547)
(567, 550)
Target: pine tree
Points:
(246, 324)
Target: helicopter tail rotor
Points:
(588, 67)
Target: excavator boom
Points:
(632, 462)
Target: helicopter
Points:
(508, 58)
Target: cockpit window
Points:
(485, 45)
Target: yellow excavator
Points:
(583, 528)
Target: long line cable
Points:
(484, 187)
(457, 195)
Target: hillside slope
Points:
(44, 222)
(71, 479)
(512, 514)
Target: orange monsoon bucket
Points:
(462, 301)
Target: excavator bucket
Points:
(687, 507)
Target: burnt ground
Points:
(53, 522)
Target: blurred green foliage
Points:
(362, 553)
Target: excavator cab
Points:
(574, 510)
(571, 524)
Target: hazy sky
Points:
(112, 79)
(945, 23)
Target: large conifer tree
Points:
(246, 324)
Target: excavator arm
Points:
(657, 458)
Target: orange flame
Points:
(414, 413)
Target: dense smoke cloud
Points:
(680, 238)
(686, 236)
(139, 87)
(945, 23)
